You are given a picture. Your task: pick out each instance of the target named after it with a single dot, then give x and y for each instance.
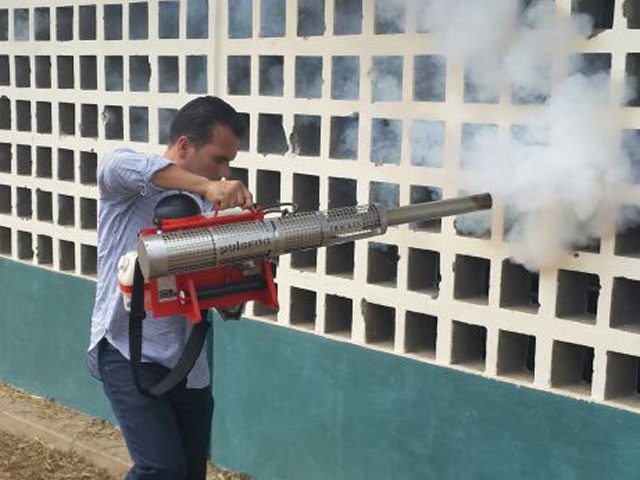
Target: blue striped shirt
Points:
(127, 202)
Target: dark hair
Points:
(196, 118)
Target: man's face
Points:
(212, 159)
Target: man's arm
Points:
(225, 193)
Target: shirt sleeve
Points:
(127, 173)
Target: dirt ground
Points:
(24, 454)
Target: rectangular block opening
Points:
(5, 241)
(67, 256)
(42, 19)
(430, 78)
(268, 187)
(421, 334)
(347, 17)
(344, 137)
(23, 71)
(44, 253)
(343, 192)
(271, 136)
(113, 22)
(88, 168)
(471, 282)
(390, 16)
(165, 117)
(24, 206)
(519, 288)
(345, 77)
(524, 93)
(578, 294)
(424, 271)
(385, 194)
(168, 19)
(113, 122)
(631, 11)
(196, 80)
(591, 64)
(197, 19)
(23, 115)
(627, 242)
(88, 260)
(633, 80)
(309, 80)
(114, 73)
(4, 25)
(43, 71)
(338, 316)
(382, 264)
(311, 18)
(305, 137)
(5, 71)
(271, 81)
(600, 11)
(625, 309)
(469, 345)
(241, 174)
(475, 224)
(88, 72)
(66, 210)
(340, 260)
(138, 21)
(386, 78)
(88, 27)
(572, 367)
(516, 355)
(43, 162)
(25, 246)
(380, 324)
(169, 76)
(66, 165)
(267, 313)
(139, 73)
(21, 24)
(6, 203)
(24, 159)
(479, 90)
(89, 121)
(245, 139)
(239, 75)
(88, 214)
(240, 15)
(422, 194)
(65, 71)
(64, 24)
(427, 143)
(306, 194)
(273, 18)
(44, 204)
(5, 157)
(630, 141)
(622, 383)
(386, 141)
(67, 118)
(303, 308)
(5, 113)
(139, 124)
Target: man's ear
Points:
(182, 145)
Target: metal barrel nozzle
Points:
(438, 209)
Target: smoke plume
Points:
(563, 176)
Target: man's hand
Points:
(228, 194)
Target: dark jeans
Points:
(167, 437)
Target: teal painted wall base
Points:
(295, 406)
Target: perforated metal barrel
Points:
(199, 248)
(195, 249)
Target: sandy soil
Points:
(23, 455)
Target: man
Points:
(167, 437)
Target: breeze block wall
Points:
(397, 357)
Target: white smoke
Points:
(562, 188)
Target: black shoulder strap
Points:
(189, 355)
